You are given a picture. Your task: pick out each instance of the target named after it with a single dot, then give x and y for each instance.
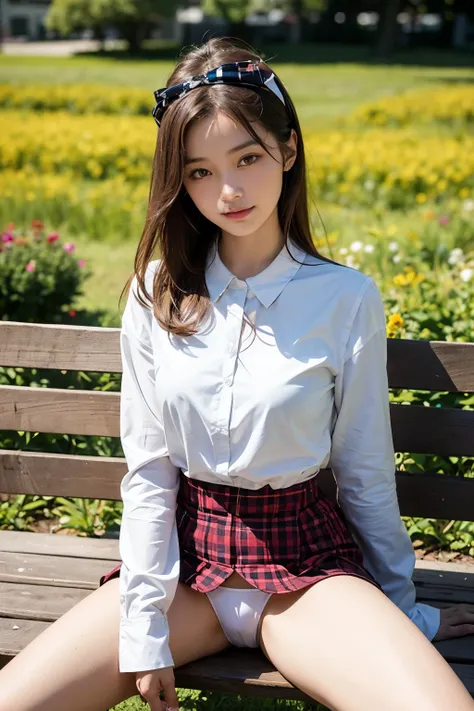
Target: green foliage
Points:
(40, 278)
(67, 15)
(87, 517)
(193, 700)
(233, 11)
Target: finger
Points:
(461, 616)
(152, 697)
(461, 630)
(457, 631)
(170, 695)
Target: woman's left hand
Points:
(456, 621)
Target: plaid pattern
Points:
(279, 540)
(247, 72)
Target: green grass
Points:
(191, 700)
(321, 92)
(111, 265)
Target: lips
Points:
(237, 214)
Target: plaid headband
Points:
(246, 73)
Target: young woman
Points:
(250, 362)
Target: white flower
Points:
(456, 256)
(350, 261)
(396, 257)
(356, 246)
(343, 250)
(466, 274)
(468, 205)
(369, 248)
(393, 246)
(369, 185)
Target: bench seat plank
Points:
(59, 544)
(77, 560)
(45, 603)
(62, 571)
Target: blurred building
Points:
(23, 19)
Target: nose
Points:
(230, 192)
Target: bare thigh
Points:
(345, 644)
(73, 664)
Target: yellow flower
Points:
(409, 278)
(395, 321)
(421, 198)
(394, 324)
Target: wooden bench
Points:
(42, 575)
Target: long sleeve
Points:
(149, 546)
(363, 461)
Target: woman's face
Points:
(225, 170)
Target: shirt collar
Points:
(267, 285)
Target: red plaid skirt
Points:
(279, 540)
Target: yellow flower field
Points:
(395, 168)
(77, 98)
(445, 104)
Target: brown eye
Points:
(193, 175)
(253, 155)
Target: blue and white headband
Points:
(245, 73)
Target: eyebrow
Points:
(240, 147)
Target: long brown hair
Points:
(174, 226)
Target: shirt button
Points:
(228, 381)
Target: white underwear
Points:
(239, 611)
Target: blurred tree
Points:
(131, 18)
(234, 13)
(297, 10)
(387, 27)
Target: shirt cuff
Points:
(427, 619)
(144, 643)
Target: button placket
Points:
(230, 355)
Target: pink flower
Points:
(8, 237)
(444, 220)
(69, 247)
(81, 263)
(71, 313)
(31, 266)
(53, 237)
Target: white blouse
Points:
(308, 391)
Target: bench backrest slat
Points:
(420, 365)
(80, 412)
(424, 430)
(32, 345)
(429, 496)
(430, 365)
